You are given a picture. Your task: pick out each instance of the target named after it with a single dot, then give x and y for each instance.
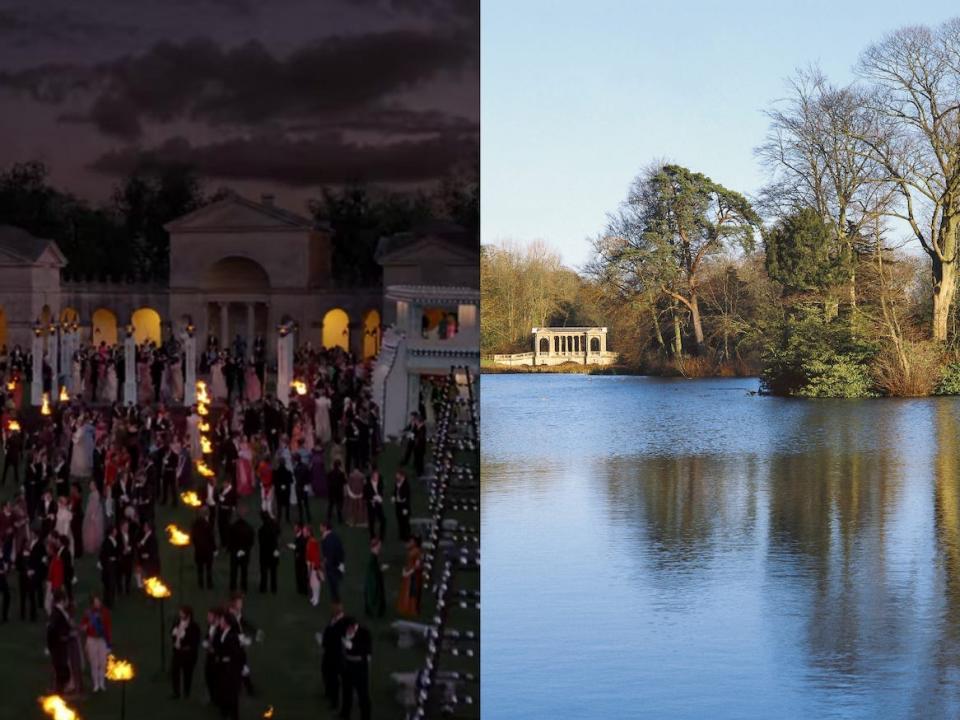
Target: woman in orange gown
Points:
(411, 584)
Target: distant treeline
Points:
(809, 283)
(123, 238)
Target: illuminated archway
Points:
(336, 329)
(371, 334)
(146, 326)
(69, 315)
(103, 327)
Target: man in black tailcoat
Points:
(204, 545)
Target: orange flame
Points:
(268, 713)
(204, 469)
(190, 498)
(55, 707)
(45, 408)
(119, 669)
(299, 386)
(204, 427)
(13, 426)
(64, 395)
(12, 385)
(206, 447)
(155, 588)
(176, 536)
(202, 409)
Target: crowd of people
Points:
(91, 479)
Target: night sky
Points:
(277, 96)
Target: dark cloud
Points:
(247, 86)
(25, 26)
(323, 159)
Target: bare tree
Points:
(915, 138)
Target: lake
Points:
(661, 548)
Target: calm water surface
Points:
(683, 549)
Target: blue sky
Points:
(577, 97)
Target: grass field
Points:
(285, 666)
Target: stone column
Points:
(36, 384)
(190, 358)
(536, 348)
(55, 365)
(251, 309)
(284, 364)
(129, 370)
(224, 325)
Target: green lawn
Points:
(285, 667)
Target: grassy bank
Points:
(690, 367)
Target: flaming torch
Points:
(13, 426)
(155, 588)
(64, 395)
(204, 469)
(190, 499)
(206, 447)
(180, 539)
(268, 713)
(11, 386)
(299, 387)
(55, 707)
(202, 410)
(45, 407)
(120, 671)
(203, 398)
(203, 427)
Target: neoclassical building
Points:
(431, 279)
(558, 345)
(237, 267)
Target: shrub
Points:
(949, 383)
(845, 376)
(811, 355)
(917, 379)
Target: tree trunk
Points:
(945, 276)
(677, 338)
(697, 325)
(944, 288)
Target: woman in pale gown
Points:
(93, 522)
(244, 469)
(218, 384)
(81, 459)
(176, 380)
(76, 381)
(321, 420)
(110, 385)
(193, 433)
(252, 384)
(144, 383)
(62, 522)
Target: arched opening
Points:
(69, 315)
(237, 274)
(595, 345)
(371, 334)
(3, 327)
(336, 329)
(146, 326)
(104, 324)
(544, 345)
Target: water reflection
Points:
(805, 566)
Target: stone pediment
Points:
(237, 214)
(436, 250)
